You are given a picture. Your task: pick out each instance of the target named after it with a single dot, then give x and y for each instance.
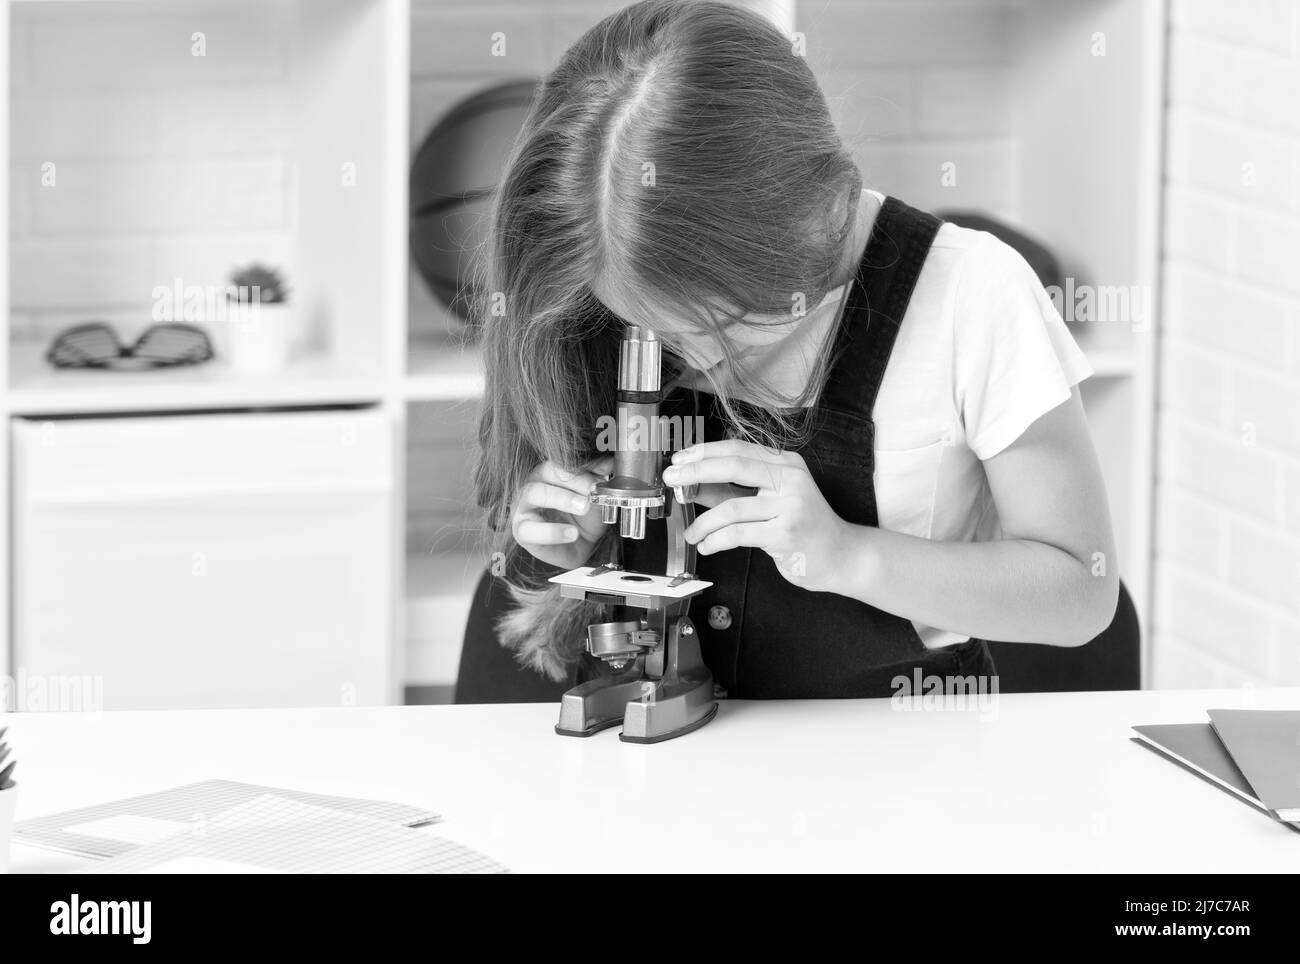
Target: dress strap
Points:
(878, 297)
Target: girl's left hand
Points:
(788, 517)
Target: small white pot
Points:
(258, 337)
(8, 806)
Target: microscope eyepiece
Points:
(640, 361)
(635, 492)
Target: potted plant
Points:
(260, 331)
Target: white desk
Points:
(1051, 783)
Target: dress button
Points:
(719, 617)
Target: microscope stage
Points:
(619, 582)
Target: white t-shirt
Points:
(981, 354)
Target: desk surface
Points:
(1033, 782)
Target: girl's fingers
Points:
(538, 533)
(729, 537)
(589, 521)
(731, 512)
(734, 469)
(729, 448)
(577, 482)
(711, 495)
(554, 488)
(541, 495)
(602, 466)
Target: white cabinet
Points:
(207, 560)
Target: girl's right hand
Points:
(550, 490)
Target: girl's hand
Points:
(553, 519)
(788, 517)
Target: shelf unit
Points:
(315, 92)
(346, 79)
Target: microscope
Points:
(660, 687)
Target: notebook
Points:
(1195, 747)
(1265, 745)
(119, 827)
(274, 834)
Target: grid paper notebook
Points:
(111, 829)
(271, 834)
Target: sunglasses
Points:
(96, 345)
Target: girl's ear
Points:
(840, 218)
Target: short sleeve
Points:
(1014, 359)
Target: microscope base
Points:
(599, 704)
(651, 709)
(657, 736)
(591, 731)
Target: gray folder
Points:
(1196, 748)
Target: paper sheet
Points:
(272, 834)
(101, 831)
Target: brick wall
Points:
(1228, 476)
(165, 164)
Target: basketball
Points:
(453, 177)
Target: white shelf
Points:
(441, 368)
(37, 388)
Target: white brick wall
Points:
(1228, 474)
(915, 86)
(166, 164)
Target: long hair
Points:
(682, 150)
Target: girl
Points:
(896, 465)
